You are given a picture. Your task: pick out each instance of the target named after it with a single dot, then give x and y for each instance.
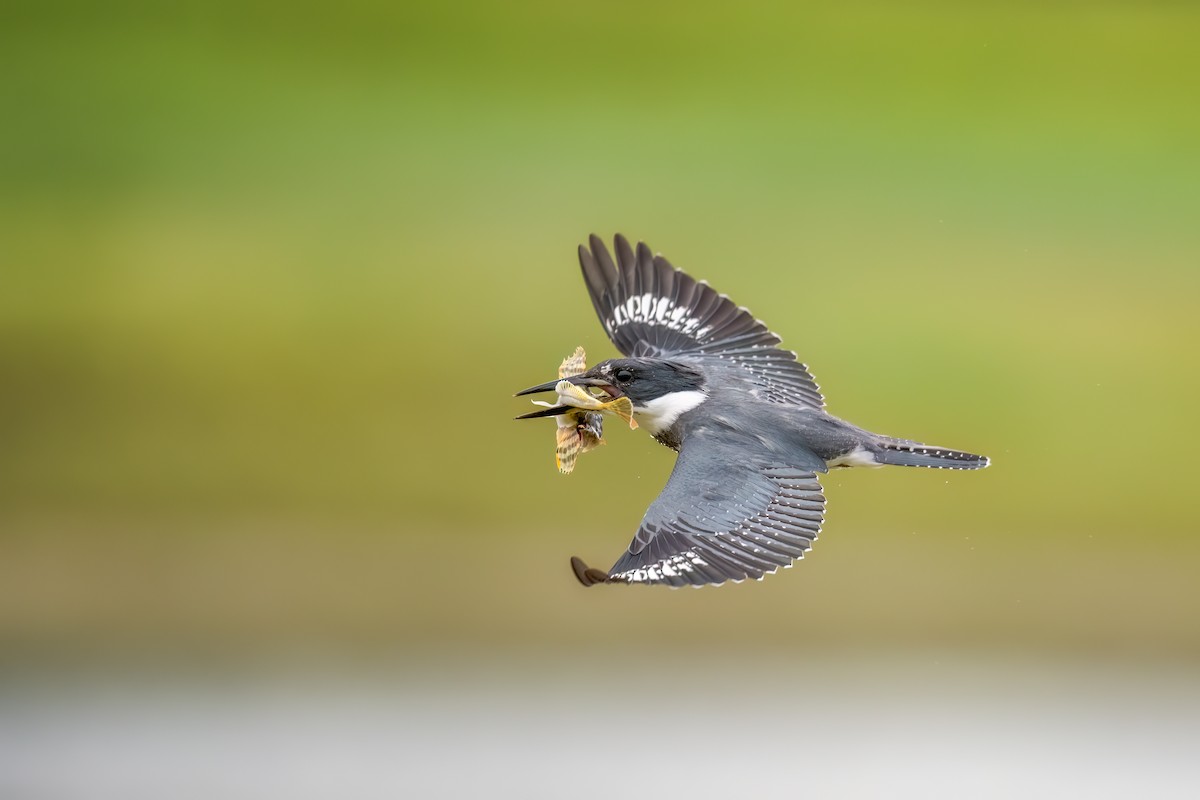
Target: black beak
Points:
(541, 387)
(578, 380)
(545, 412)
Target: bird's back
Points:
(736, 411)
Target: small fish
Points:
(574, 364)
(571, 395)
(582, 429)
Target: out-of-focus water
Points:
(922, 726)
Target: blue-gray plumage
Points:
(707, 379)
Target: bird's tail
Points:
(903, 453)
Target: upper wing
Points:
(650, 308)
(724, 517)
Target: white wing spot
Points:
(668, 567)
(658, 312)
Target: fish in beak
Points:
(579, 413)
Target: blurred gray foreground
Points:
(920, 726)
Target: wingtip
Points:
(625, 257)
(588, 576)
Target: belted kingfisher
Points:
(707, 380)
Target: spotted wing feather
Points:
(721, 517)
(650, 308)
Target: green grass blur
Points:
(269, 274)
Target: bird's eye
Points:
(623, 375)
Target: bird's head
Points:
(659, 390)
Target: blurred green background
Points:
(269, 274)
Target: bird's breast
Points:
(659, 414)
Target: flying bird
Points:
(708, 380)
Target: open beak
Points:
(545, 412)
(578, 380)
